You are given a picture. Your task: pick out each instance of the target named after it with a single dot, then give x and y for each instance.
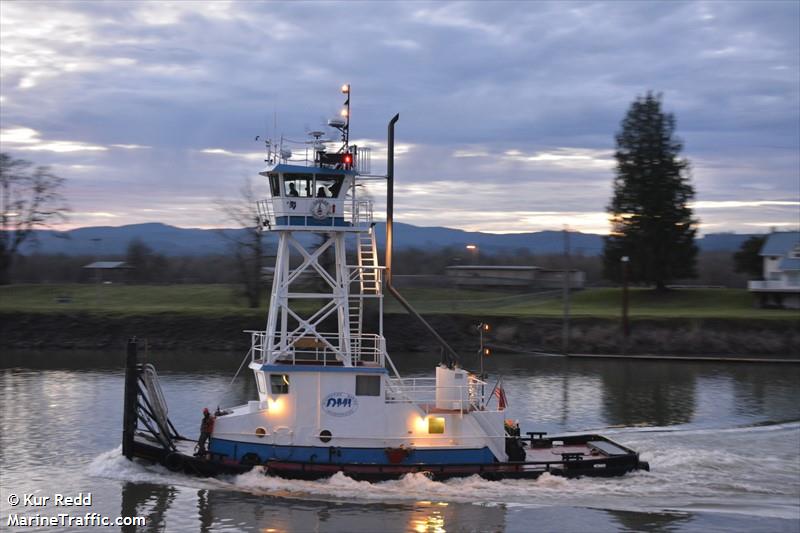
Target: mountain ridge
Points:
(176, 241)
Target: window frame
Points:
(368, 390)
(298, 178)
(279, 384)
(434, 425)
(274, 184)
(334, 189)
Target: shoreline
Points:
(671, 338)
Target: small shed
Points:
(512, 276)
(108, 271)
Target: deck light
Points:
(275, 406)
(487, 352)
(472, 247)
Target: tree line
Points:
(147, 266)
(651, 242)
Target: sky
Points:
(508, 110)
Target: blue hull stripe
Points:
(338, 455)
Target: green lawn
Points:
(601, 303)
(118, 298)
(226, 300)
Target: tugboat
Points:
(330, 399)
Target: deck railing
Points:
(423, 392)
(365, 349)
(779, 285)
(266, 215)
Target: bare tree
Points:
(30, 198)
(247, 243)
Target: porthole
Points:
(261, 432)
(325, 435)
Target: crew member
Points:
(206, 428)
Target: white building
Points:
(781, 284)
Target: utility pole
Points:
(483, 351)
(626, 330)
(98, 273)
(567, 276)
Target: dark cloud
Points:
(519, 99)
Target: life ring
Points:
(396, 455)
(320, 209)
(174, 461)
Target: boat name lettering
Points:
(340, 404)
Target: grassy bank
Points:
(212, 317)
(223, 300)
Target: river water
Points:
(722, 439)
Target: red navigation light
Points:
(347, 159)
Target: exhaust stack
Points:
(451, 358)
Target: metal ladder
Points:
(368, 281)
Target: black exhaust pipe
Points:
(450, 356)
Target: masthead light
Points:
(346, 88)
(344, 112)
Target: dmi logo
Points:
(340, 404)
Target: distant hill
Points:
(174, 241)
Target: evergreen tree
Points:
(748, 259)
(651, 222)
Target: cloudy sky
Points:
(507, 110)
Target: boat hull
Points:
(599, 465)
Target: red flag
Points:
(502, 401)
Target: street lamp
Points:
(473, 250)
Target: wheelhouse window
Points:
(368, 385)
(262, 382)
(298, 185)
(279, 383)
(274, 184)
(328, 186)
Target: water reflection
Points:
(223, 510)
(658, 394)
(631, 521)
(149, 500)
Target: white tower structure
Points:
(308, 203)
